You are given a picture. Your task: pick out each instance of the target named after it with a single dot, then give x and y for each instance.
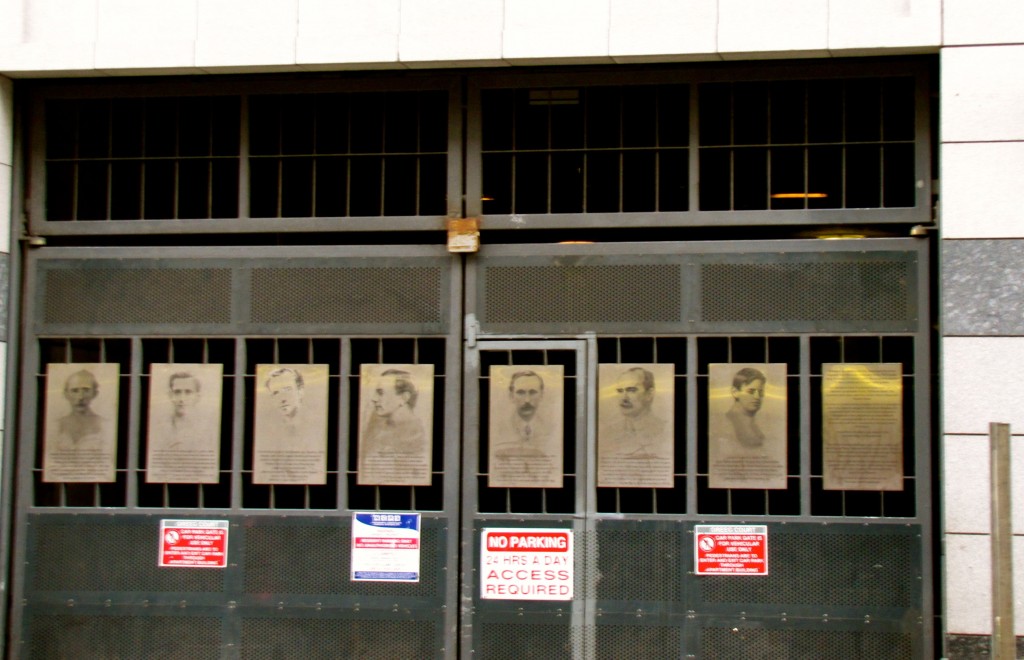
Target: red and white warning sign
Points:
(202, 543)
(526, 564)
(731, 549)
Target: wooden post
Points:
(1003, 640)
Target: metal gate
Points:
(850, 571)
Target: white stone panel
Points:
(982, 195)
(966, 484)
(137, 36)
(59, 22)
(772, 28)
(977, 373)
(968, 584)
(451, 32)
(982, 93)
(856, 27)
(333, 33)
(555, 31)
(969, 22)
(240, 33)
(42, 59)
(663, 30)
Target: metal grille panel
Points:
(730, 643)
(103, 557)
(105, 637)
(871, 570)
(847, 291)
(631, 293)
(80, 295)
(615, 642)
(369, 295)
(265, 638)
(270, 565)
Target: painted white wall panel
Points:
(982, 93)
(451, 32)
(857, 26)
(353, 32)
(146, 20)
(772, 28)
(966, 482)
(59, 21)
(659, 30)
(551, 31)
(982, 195)
(967, 22)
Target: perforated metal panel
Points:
(518, 641)
(265, 638)
(650, 552)
(105, 636)
(70, 554)
(616, 642)
(782, 286)
(857, 291)
(731, 643)
(79, 294)
(356, 295)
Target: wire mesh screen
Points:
(726, 643)
(515, 641)
(267, 638)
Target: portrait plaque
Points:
(395, 424)
(635, 447)
(80, 422)
(290, 424)
(747, 426)
(525, 434)
(862, 424)
(184, 424)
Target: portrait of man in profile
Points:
(396, 415)
(290, 430)
(525, 448)
(183, 439)
(635, 445)
(80, 434)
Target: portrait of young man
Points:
(80, 428)
(183, 442)
(290, 429)
(747, 426)
(396, 403)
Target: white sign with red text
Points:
(731, 549)
(385, 547)
(526, 564)
(194, 543)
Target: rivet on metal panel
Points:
(280, 605)
(319, 606)
(106, 603)
(182, 604)
(232, 604)
(71, 602)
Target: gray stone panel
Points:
(983, 287)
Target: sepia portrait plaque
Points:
(184, 424)
(395, 424)
(747, 426)
(80, 422)
(862, 426)
(290, 424)
(635, 447)
(525, 434)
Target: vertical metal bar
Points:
(134, 418)
(110, 161)
(344, 441)
(692, 175)
(806, 433)
(691, 424)
(238, 426)
(1003, 640)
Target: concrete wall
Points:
(981, 160)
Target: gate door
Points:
(525, 468)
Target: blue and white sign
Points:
(385, 547)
